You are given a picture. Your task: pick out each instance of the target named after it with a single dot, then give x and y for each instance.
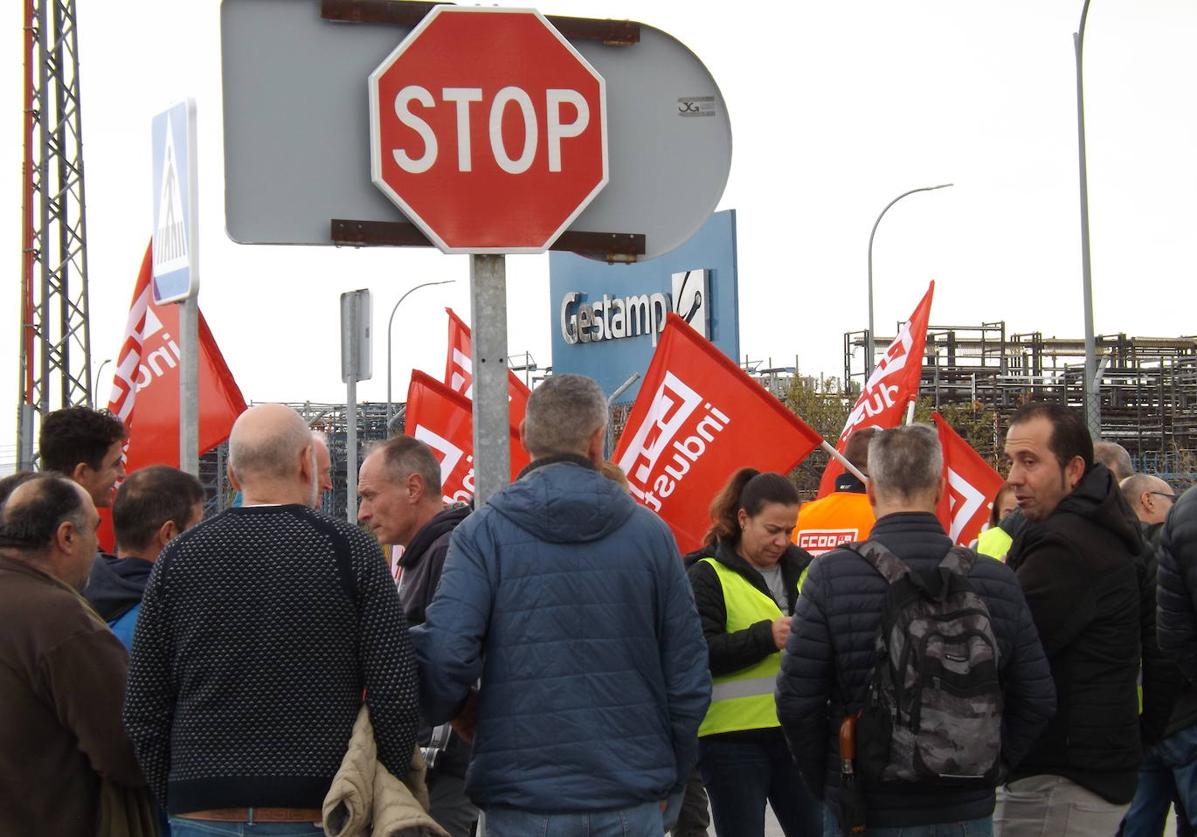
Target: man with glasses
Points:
(1150, 498)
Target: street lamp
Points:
(100, 377)
(869, 355)
(1092, 383)
(390, 322)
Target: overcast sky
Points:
(835, 108)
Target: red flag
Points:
(972, 485)
(893, 385)
(444, 420)
(697, 419)
(459, 370)
(145, 387)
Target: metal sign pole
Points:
(351, 450)
(488, 314)
(189, 386)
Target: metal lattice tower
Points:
(55, 356)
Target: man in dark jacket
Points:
(62, 672)
(571, 604)
(1077, 566)
(1177, 630)
(399, 498)
(152, 507)
(829, 657)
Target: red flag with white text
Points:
(145, 386)
(459, 369)
(698, 418)
(444, 420)
(971, 485)
(893, 384)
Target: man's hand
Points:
(466, 721)
(781, 631)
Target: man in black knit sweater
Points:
(260, 630)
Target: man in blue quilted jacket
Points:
(570, 603)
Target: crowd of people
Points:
(549, 664)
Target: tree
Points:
(822, 403)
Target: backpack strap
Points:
(959, 560)
(889, 566)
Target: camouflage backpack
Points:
(933, 712)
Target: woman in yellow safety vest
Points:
(746, 583)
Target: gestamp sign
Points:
(488, 129)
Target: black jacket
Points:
(1177, 617)
(423, 560)
(116, 585)
(829, 658)
(1079, 570)
(1169, 702)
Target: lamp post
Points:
(869, 353)
(390, 322)
(1092, 395)
(100, 377)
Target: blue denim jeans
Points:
(183, 827)
(741, 774)
(639, 821)
(968, 828)
(1168, 773)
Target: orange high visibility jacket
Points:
(840, 517)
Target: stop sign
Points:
(488, 129)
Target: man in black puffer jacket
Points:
(829, 657)
(399, 492)
(1176, 623)
(1077, 563)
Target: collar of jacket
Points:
(571, 458)
(792, 562)
(907, 522)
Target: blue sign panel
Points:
(174, 267)
(607, 318)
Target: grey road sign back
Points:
(296, 129)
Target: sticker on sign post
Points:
(175, 262)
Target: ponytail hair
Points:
(748, 489)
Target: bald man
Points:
(259, 632)
(1149, 497)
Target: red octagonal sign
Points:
(488, 130)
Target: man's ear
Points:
(940, 488)
(415, 488)
(233, 481)
(594, 448)
(79, 472)
(1073, 472)
(65, 535)
(523, 434)
(307, 463)
(871, 493)
(166, 533)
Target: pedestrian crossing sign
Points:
(175, 274)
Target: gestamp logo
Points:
(674, 436)
(450, 456)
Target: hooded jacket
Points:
(1079, 570)
(571, 604)
(114, 589)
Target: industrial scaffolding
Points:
(1148, 385)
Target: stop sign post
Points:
(489, 131)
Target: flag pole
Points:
(843, 460)
(910, 412)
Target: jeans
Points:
(1168, 773)
(639, 821)
(968, 828)
(1047, 804)
(741, 773)
(183, 827)
(449, 805)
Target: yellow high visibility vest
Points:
(743, 699)
(994, 542)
